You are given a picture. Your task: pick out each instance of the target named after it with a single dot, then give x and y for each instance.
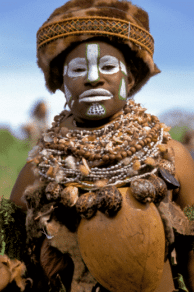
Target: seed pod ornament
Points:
(53, 191)
(86, 205)
(160, 188)
(69, 196)
(143, 190)
(109, 200)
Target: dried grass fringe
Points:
(12, 230)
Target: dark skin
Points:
(183, 163)
(184, 174)
(184, 169)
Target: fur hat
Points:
(120, 22)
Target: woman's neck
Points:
(95, 123)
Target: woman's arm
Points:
(25, 178)
(184, 166)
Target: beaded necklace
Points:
(117, 153)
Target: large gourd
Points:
(126, 252)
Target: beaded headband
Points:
(96, 26)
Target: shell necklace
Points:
(117, 153)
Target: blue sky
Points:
(22, 82)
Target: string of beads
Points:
(117, 152)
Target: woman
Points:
(100, 54)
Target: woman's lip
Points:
(95, 92)
(94, 98)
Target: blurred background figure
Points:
(38, 122)
(14, 148)
(188, 141)
(181, 122)
(13, 154)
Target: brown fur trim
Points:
(142, 16)
(68, 15)
(78, 4)
(118, 5)
(71, 6)
(124, 10)
(103, 11)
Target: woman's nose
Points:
(93, 76)
(93, 73)
(95, 83)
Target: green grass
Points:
(177, 132)
(13, 155)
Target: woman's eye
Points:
(79, 70)
(108, 67)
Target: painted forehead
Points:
(107, 64)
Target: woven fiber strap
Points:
(97, 26)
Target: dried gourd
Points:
(125, 252)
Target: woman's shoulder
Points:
(180, 151)
(65, 119)
(184, 168)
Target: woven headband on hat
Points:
(98, 26)
(80, 20)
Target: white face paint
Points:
(96, 94)
(72, 103)
(92, 56)
(96, 80)
(65, 70)
(68, 94)
(91, 66)
(96, 109)
(77, 68)
(109, 65)
(123, 68)
(123, 90)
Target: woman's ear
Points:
(131, 82)
(62, 87)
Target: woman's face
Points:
(95, 80)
